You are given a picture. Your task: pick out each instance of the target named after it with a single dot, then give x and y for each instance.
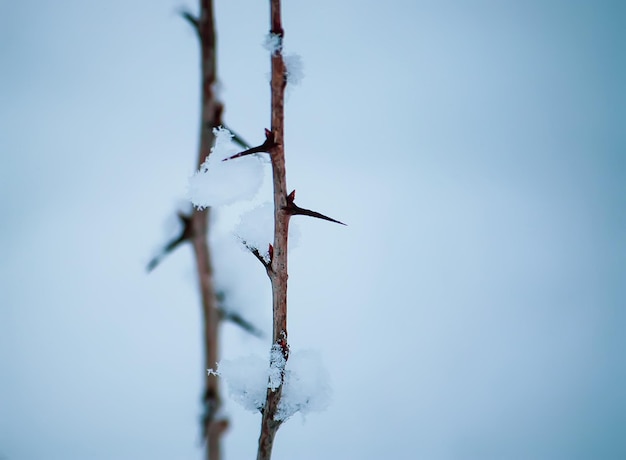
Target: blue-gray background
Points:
(472, 309)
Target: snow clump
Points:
(306, 386)
(219, 182)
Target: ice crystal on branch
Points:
(277, 367)
(293, 62)
(273, 43)
(219, 182)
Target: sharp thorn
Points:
(265, 147)
(185, 235)
(291, 197)
(241, 322)
(191, 19)
(296, 210)
(237, 139)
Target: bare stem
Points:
(211, 110)
(278, 272)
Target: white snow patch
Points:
(219, 182)
(306, 385)
(247, 380)
(256, 228)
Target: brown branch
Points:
(278, 274)
(210, 115)
(195, 229)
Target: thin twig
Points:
(278, 274)
(211, 111)
(256, 253)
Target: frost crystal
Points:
(277, 367)
(220, 182)
(273, 43)
(294, 69)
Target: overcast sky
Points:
(473, 309)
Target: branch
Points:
(278, 273)
(260, 257)
(210, 115)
